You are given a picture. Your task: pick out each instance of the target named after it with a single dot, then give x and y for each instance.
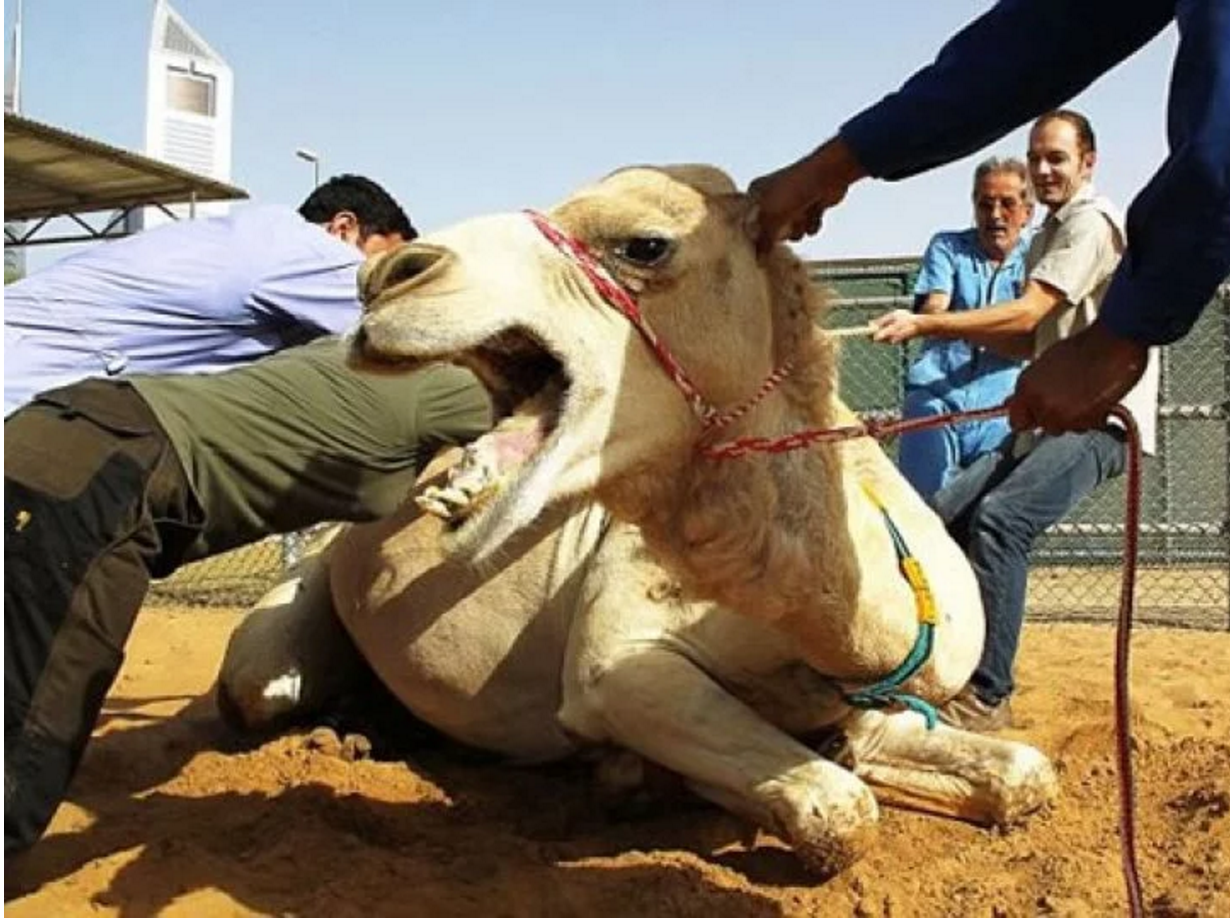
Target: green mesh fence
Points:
(1185, 539)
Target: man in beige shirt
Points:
(999, 506)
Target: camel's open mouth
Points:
(530, 389)
(514, 366)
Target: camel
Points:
(599, 578)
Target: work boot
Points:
(969, 712)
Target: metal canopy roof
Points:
(49, 173)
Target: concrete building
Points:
(189, 104)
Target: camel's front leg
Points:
(290, 656)
(660, 705)
(946, 770)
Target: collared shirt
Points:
(192, 296)
(965, 375)
(1024, 57)
(1076, 251)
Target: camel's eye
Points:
(645, 251)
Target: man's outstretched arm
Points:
(1016, 61)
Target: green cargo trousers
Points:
(96, 503)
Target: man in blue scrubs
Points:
(964, 271)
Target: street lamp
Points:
(312, 158)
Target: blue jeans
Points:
(997, 507)
(931, 458)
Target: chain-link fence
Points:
(1185, 535)
(236, 578)
(1184, 530)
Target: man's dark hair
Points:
(1084, 131)
(376, 210)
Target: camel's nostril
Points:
(408, 263)
(393, 268)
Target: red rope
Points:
(878, 430)
(1123, 645)
(618, 297)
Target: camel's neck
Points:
(770, 535)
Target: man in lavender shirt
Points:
(198, 296)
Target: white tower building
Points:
(188, 105)
(14, 257)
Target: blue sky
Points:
(465, 107)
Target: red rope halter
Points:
(710, 416)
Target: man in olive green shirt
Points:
(108, 483)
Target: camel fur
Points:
(614, 587)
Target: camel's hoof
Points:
(826, 857)
(1030, 784)
(828, 838)
(356, 747)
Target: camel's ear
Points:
(744, 212)
(751, 219)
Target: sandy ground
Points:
(171, 816)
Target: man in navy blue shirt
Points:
(1019, 59)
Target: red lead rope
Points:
(1127, 590)
(713, 419)
(1123, 646)
(877, 430)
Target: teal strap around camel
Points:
(887, 691)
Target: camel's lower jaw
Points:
(505, 478)
(488, 466)
(499, 509)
